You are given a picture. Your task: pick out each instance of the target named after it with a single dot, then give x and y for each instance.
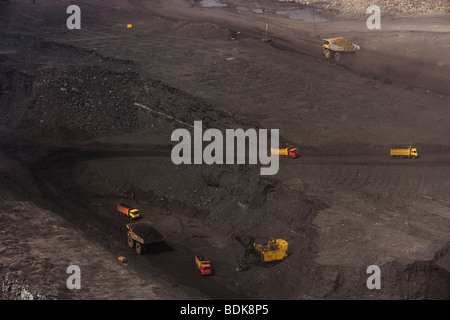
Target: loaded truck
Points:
(128, 211)
(141, 235)
(337, 47)
(290, 151)
(405, 153)
(204, 265)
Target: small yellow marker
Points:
(122, 259)
(129, 26)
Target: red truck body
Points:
(294, 153)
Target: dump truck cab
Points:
(206, 269)
(294, 153)
(414, 152)
(134, 213)
(326, 44)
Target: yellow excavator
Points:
(274, 250)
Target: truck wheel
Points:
(328, 54)
(338, 57)
(130, 242)
(139, 248)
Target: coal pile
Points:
(95, 96)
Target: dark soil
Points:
(86, 118)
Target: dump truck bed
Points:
(202, 259)
(146, 232)
(400, 151)
(342, 44)
(282, 152)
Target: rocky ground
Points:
(388, 7)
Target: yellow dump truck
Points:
(142, 234)
(337, 47)
(405, 153)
